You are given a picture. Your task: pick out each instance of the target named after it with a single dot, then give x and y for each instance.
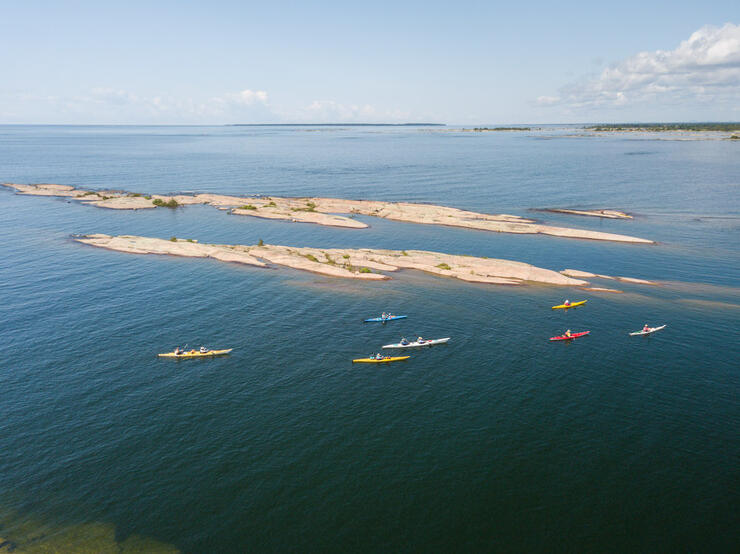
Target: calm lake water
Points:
(498, 441)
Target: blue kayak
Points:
(384, 319)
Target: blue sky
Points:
(454, 62)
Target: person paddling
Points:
(177, 351)
(566, 303)
(203, 350)
(645, 329)
(568, 333)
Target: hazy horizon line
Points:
(410, 124)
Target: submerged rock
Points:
(587, 275)
(608, 214)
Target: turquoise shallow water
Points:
(499, 440)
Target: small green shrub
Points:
(346, 256)
(173, 239)
(310, 207)
(148, 197)
(312, 258)
(271, 204)
(248, 207)
(443, 266)
(403, 252)
(191, 240)
(133, 195)
(261, 243)
(88, 193)
(171, 203)
(365, 270)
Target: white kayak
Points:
(416, 343)
(648, 332)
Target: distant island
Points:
(481, 129)
(662, 127)
(336, 125)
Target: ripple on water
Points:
(487, 440)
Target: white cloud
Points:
(335, 112)
(118, 106)
(246, 97)
(705, 68)
(112, 96)
(110, 105)
(548, 100)
(252, 96)
(246, 106)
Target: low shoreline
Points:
(322, 211)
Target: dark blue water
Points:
(499, 440)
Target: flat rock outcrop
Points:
(365, 263)
(324, 211)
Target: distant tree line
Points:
(502, 129)
(727, 127)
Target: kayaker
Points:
(566, 303)
(203, 350)
(404, 341)
(646, 328)
(385, 316)
(567, 333)
(378, 356)
(177, 351)
(419, 339)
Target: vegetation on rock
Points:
(171, 203)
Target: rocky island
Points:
(364, 263)
(726, 127)
(679, 131)
(322, 211)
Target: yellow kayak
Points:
(571, 305)
(195, 354)
(384, 360)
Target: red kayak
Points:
(572, 336)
